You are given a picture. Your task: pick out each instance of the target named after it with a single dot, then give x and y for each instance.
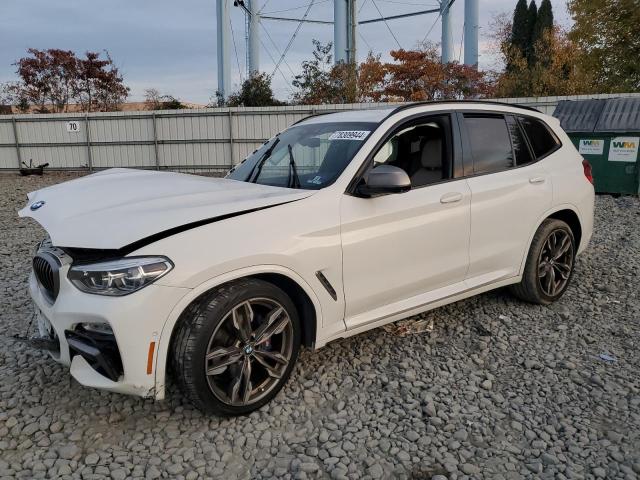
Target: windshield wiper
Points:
(293, 180)
(260, 163)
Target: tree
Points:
(321, 82)
(544, 24)
(607, 36)
(155, 101)
(12, 94)
(559, 74)
(48, 78)
(417, 75)
(544, 21)
(100, 85)
(371, 78)
(532, 18)
(52, 79)
(520, 30)
(255, 92)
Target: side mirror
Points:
(385, 179)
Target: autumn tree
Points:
(48, 78)
(607, 38)
(416, 75)
(323, 83)
(100, 86)
(556, 71)
(372, 74)
(255, 91)
(53, 79)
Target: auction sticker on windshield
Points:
(349, 135)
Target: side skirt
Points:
(414, 310)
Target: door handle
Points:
(537, 180)
(452, 197)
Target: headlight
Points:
(119, 277)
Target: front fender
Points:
(172, 320)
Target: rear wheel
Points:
(550, 264)
(235, 349)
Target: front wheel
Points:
(550, 264)
(236, 347)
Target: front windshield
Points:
(304, 156)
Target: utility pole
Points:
(253, 64)
(447, 44)
(340, 29)
(224, 47)
(471, 33)
(353, 20)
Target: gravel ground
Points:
(497, 389)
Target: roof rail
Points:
(479, 102)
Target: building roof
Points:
(599, 116)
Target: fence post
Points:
(231, 137)
(155, 141)
(89, 157)
(17, 141)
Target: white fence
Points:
(209, 139)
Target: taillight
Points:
(587, 170)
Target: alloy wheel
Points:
(555, 262)
(249, 351)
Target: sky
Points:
(170, 45)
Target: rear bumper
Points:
(124, 363)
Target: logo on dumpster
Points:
(591, 146)
(624, 149)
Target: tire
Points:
(223, 366)
(541, 268)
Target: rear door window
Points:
(490, 142)
(543, 141)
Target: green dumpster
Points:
(606, 132)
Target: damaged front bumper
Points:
(118, 356)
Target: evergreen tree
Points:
(544, 20)
(519, 28)
(540, 40)
(532, 18)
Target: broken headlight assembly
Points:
(119, 277)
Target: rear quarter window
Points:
(541, 138)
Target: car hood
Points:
(119, 207)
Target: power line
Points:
(386, 23)
(295, 34)
(362, 6)
(431, 29)
(264, 5)
(235, 47)
(296, 8)
(278, 69)
(277, 48)
(410, 3)
(365, 41)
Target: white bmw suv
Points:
(342, 223)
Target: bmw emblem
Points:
(37, 205)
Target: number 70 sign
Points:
(73, 127)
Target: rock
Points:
(68, 451)
(375, 471)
